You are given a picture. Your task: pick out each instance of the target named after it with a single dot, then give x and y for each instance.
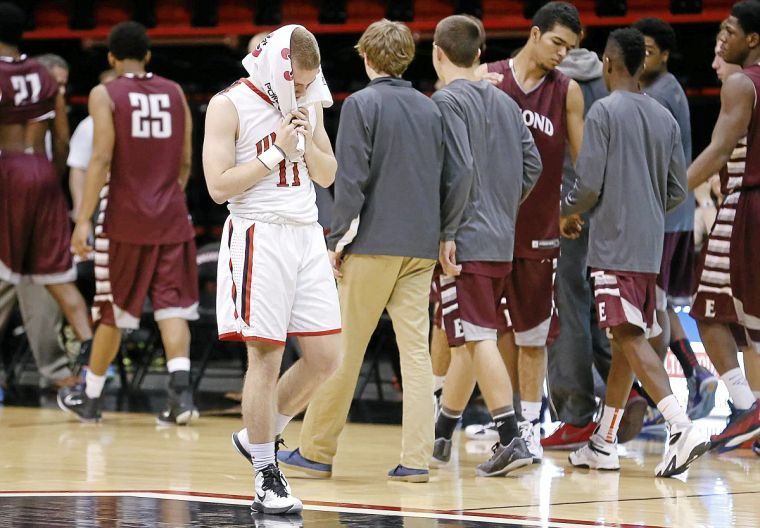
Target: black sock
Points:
(682, 350)
(446, 423)
(506, 424)
(179, 380)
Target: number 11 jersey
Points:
(286, 195)
(145, 203)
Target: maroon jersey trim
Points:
(258, 92)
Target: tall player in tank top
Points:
(552, 107)
(144, 241)
(34, 242)
(274, 278)
(734, 247)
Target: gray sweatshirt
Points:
(630, 170)
(668, 92)
(388, 185)
(491, 165)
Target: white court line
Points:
(516, 520)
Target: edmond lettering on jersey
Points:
(538, 121)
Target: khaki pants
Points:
(369, 285)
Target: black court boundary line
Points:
(695, 496)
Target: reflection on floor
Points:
(155, 476)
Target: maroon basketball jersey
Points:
(27, 91)
(146, 204)
(751, 176)
(543, 109)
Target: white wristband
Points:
(271, 157)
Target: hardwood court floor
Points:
(43, 450)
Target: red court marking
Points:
(352, 505)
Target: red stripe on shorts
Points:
(234, 289)
(248, 274)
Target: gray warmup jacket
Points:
(630, 171)
(491, 166)
(388, 185)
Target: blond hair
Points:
(304, 49)
(387, 46)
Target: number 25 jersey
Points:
(286, 195)
(145, 203)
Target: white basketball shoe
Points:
(273, 493)
(596, 454)
(685, 445)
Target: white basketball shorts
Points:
(274, 280)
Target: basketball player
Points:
(552, 108)
(490, 166)
(263, 150)
(631, 169)
(729, 290)
(33, 210)
(750, 355)
(144, 241)
(674, 283)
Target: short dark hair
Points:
(562, 13)
(12, 21)
(659, 30)
(460, 38)
(128, 40)
(747, 13)
(630, 41)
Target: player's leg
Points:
(73, 307)
(510, 452)
(180, 408)
(408, 309)
(440, 355)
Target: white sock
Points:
(738, 388)
(756, 394)
(262, 454)
(609, 423)
(93, 384)
(178, 363)
(672, 411)
(438, 382)
(281, 422)
(530, 410)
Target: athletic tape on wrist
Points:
(271, 157)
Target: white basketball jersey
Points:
(287, 194)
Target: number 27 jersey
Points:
(287, 194)
(145, 203)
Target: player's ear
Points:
(535, 33)
(666, 56)
(111, 60)
(753, 40)
(148, 57)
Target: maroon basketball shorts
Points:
(529, 305)
(471, 302)
(626, 297)
(729, 282)
(435, 296)
(125, 274)
(676, 278)
(36, 233)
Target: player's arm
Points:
(60, 131)
(737, 99)
(223, 178)
(77, 177)
(590, 167)
(574, 107)
(186, 162)
(353, 148)
(99, 107)
(458, 176)
(318, 155)
(676, 187)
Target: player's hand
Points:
(336, 259)
(571, 226)
(79, 238)
(303, 126)
(287, 137)
(447, 254)
(494, 78)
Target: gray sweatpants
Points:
(581, 345)
(41, 316)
